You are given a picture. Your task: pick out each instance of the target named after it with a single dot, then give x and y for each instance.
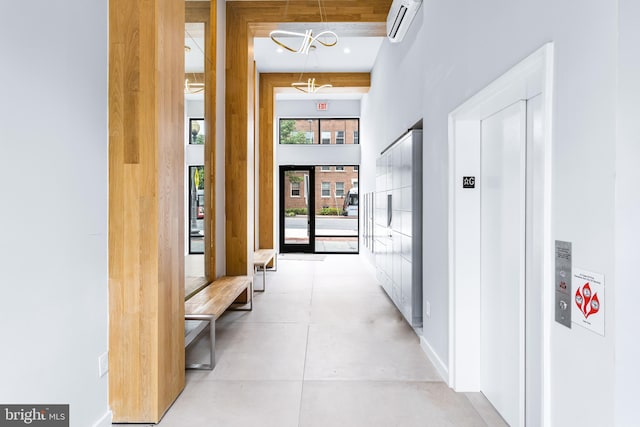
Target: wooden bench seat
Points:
(208, 305)
(261, 259)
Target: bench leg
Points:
(212, 334)
(264, 271)
(264, 277)
(250, 308)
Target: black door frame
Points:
(306, 247)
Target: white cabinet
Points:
(398, 224)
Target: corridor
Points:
(323, 347)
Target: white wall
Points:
(308, 108)
(53, 221)
(627, 205)
(455, 50)
(391, 107)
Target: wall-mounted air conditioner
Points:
(399, 19)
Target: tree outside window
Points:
(289, 135)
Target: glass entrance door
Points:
(297, 197)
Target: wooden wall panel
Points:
(246, 19)
(146, 219)
(210, 112)
(269, 83)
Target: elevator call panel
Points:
(563, 283)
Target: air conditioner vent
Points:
(399, 19)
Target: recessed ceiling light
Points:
(347, 50)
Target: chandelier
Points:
(310, 86)
(306, 40)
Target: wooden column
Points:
(146, 215)
(245, 20)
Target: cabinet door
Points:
(406, 149)
(396, 169)
(407, 289)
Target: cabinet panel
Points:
(406, 247)
(406, 221)
(406, 163)
(400, 266)
(407, 285)
(396, 255)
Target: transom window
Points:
(318, 131)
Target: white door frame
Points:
(531, 77)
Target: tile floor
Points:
(323, 347)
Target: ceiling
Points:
(350, 54)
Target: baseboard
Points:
(105, 421)
(437, 362)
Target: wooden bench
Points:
(261, 259)
(209, 304)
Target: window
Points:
(196, 210)
(308, 136)
(297, 131)
(326, 189)
(196, 131)
(306, 130)
(295, 189)
(339, 168)
(325, 168)
(354, 183)
(355, 168)
(339, 189)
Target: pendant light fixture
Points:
(306, 40)
(309, 87)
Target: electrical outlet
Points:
(427, 309)
(103, 364)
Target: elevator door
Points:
(502, 260)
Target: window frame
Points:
(318, 130)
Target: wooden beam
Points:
(146, 218)
(271, 83)
(246, 19)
